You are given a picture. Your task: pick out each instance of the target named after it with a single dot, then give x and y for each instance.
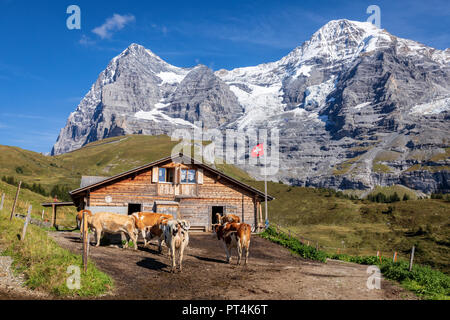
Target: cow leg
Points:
(239, 251)
(144, 236)
(159, 245)
(228, 252)
(246, 252)
(173, 255)
(127, 237)
(134, 239)
(98, 235)
(181, 257)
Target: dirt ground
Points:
(272, 273)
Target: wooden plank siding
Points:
(195, 200)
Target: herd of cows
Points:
(174, 233)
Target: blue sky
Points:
(46, 69)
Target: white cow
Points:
(176, 238)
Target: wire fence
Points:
(338, 250)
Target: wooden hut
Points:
(179, 185)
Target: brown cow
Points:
(146, 220)
(115, 223)
(157, 231)
(229, 217)
(79, 219)
(234, 235)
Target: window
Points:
(187, 176)
(166, 175)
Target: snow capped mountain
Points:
(341, 100)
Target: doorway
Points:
(134, 207)
(215, 210)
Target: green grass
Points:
(379, 167)
(361, 227)
(344, 167)
(356, 227)
(65, 215)
(45, 264)
(422, 280)
(400, 190)
(107, 157)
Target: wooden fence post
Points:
(85, 241)
(53, 215)
(27, 221)
(317, 246)
(15, 201)
(43, 212)
(412, 258)
(3, 200)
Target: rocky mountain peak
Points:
(355, 106)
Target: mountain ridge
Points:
(342, 98)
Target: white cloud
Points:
(115, 23)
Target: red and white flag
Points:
(258, 150)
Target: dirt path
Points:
(273, 273)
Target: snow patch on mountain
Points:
(433, 107)
(170, 77)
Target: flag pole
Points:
(265, 183)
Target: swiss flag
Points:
(258, 150)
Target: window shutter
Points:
(200, 176)
(155, 174)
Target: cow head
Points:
(185, 224)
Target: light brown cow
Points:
(234, 235)
(108, 222)
(146, 220)
(229, 217)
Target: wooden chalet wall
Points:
(195, 200)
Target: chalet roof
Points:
(89, 180)
(181, 156)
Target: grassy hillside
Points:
(65, 215)
(353, 226)
(102, 158)
(39, 258)
(360, 227)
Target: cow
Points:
(176, 238)
(158, 232)
(109, 222)
(79, 219)
(229, 217)
(146, 220)
(234, 235)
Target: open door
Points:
(216, 210)
(134, 207)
